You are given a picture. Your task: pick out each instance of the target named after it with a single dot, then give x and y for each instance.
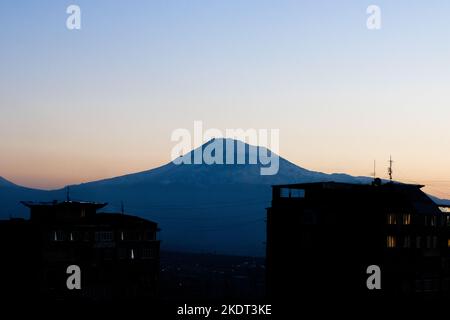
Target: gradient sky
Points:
(103, 101)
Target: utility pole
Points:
(374, 169)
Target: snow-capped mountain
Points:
(211, 174)
(199, 207)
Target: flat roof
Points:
(344, 185)
(34, 204)
(115, 217)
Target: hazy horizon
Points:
(100, 102)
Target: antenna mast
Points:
(374, 169)
(390, 172)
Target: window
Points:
(130, 236)
(391, 242)
(132, 254)
(292, 193)
(104, 236)
(407, 242)
(428, 242)
(150, 235)
(430, 221)
(309, 217)
(448, 243)
(427, 285)
(418, 285)
(58, 236)
(297, 193)
(284, 193)
(406, 218)
(391, 218)
(147, 253)
(122, 252)
(433, 221)
(434, 242)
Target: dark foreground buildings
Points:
(118, 254)
(322, 237)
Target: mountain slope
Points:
(440, 201)
(6, 183)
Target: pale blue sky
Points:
(103, 101)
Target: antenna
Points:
(376, 181)
(374, 169)
(390, 172)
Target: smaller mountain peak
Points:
(6, 183)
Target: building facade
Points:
(117, 254)
(322, 237)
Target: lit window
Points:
(448, 243)
(58, 236)
(406, 218)
(391, 218)
(132, 254)
(391, 242)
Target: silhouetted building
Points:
(321, 237)
(118, 254)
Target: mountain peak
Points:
(226, 150)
